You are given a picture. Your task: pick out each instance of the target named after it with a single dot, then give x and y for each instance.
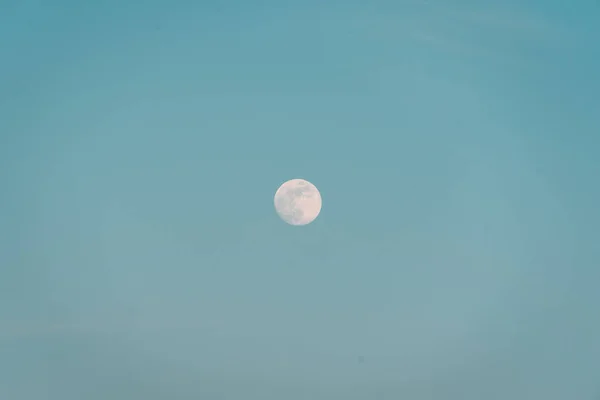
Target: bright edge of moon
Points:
(298, 202)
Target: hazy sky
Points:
(457, 149)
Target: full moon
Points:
(298, 202)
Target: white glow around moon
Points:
(298, 202)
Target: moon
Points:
(298, 202)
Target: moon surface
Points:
(298, 202)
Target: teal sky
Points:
(457, 149)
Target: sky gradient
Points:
(456, 146)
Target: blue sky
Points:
(456, 149)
